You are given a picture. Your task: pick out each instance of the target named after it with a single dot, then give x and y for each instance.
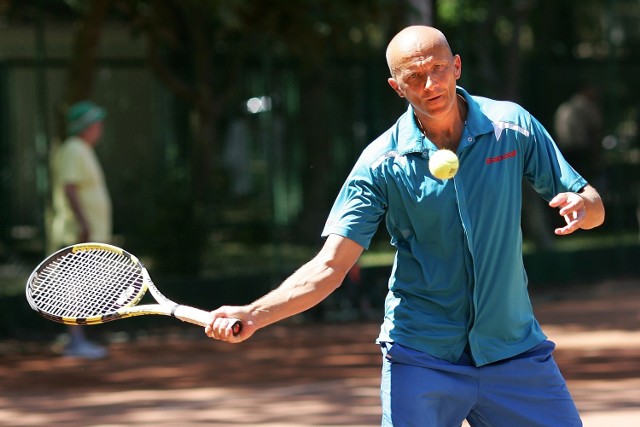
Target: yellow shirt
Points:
(76, 162)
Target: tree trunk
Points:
(86, 41)
(82, 69)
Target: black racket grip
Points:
(236, 327)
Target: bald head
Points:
(413, 41)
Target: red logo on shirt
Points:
(501, 158)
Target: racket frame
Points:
(164, 306)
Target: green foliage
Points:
(313, 29)
(461, 12)
(213, 54)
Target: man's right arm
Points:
(305, 288)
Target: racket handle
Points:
(236, 327)
(201, 317)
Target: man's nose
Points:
(429, 82)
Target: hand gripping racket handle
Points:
(201, 317)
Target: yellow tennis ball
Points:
(443, 164)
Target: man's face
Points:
(427, 79)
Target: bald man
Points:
(459, 338)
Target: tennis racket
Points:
(92, 283)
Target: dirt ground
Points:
(300, 375)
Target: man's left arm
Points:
(580, 210)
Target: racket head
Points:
(87, 283)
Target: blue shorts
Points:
(525, 391)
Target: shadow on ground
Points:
(299, 375)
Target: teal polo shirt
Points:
(458, 277)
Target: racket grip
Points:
(201, 317)
(236, 327)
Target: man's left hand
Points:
(572, 208)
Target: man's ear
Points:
(457, 63)
(394, 85)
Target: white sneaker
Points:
(85, 350)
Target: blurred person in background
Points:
(81, 201)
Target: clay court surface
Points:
(300, 375)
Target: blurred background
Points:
(232, 124)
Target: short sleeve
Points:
(545, 166)
(359, 206)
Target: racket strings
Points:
(87, 283)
